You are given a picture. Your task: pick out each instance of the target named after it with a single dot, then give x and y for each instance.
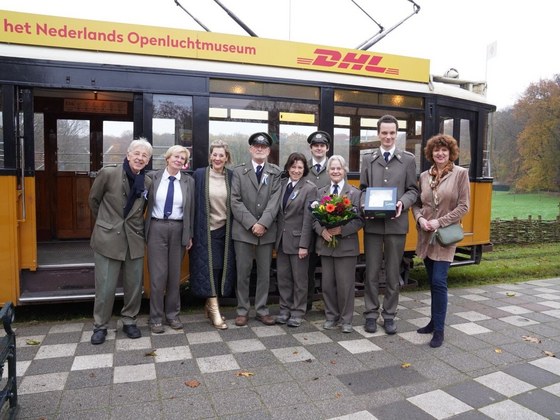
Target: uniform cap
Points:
(260, 138)
(319, 137)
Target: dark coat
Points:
(201, 273)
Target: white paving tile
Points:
(359, 346)
(514, 309)
(426, 311)
(34, 384)
(419, 322)
(204, 337)
(549, 296)
(472, 316)
(439, 404)
(245, 346)
(415, 338)
(360, 330)
(553, 389)
(553, 312)
(92, 361)
(509, 410)
(551, 364)
(312, 338)
(509, 286)
(551, 304)
(471, 328)
(270, 331)
(504, 384)
(546, 290)
(474, 290)
(169, 354)
(292, 354)
(359, 415)
(427, 302)
(21, 367)
(125, 344)
(65, 328)
(217, 363)
(518, 321)
(475, 298)
(56, 350)
(136, 373)
(402, 298)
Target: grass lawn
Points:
(506, 264)
(507, 205)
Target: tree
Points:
(505, 157)
(539, 142)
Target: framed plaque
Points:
(380, 202)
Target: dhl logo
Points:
(353, 61)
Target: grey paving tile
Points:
(474, 394)
(400, 410)
(129, 393)
(197, 406)
(299, 411)
(256, 359)
(364, 382)
(89, 378)
(85, 399)
(236, 401)
(541, 402)
(523, 349)
(176, 368)
(307, 370)
(344, 405)
(209, 349)
(322, 388)
(168, 340)
(218, 381)
(133, 357)
(465, 362)
(140, 410)
(279, 341)
(497, 356)
(253, 415)
(510, 410)
(98, 414)
(282, 394)
(42, 366)
(41, 405)
(263, 375)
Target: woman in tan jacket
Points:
(444, 199)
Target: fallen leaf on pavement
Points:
(498, 350)
(151, 353)
(193, 383)
(406, 365)
(510, 294)
(531, 339)
(549, 353)
(245, 374)
(31, 342)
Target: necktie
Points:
(259, 173)
(386, 156)
(168, 207)
(335, 189)
(318, 167)
(289, 189)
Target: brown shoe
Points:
(266, 319)
(241, 320)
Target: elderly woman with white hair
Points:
(338, 263)
(169, 231)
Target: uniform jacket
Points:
(399, 172)
(320, 178)
(454, 199)
(113, 234)
(199, 257)
(253, 202)
(348, 244)
(187, 188)
(295, 223)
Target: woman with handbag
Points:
(444, 199)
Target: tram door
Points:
(80, 136)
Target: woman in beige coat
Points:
(444, 199)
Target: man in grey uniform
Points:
(255, 201)
(319, 144)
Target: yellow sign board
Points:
(59, 32)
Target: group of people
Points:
(229, 219)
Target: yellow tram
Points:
(74, 92)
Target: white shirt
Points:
(161, 195)
(391, 152)
(340, 187)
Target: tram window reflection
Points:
(73, 145)
(116, 138)
(39, 133)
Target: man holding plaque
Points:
(385, 169)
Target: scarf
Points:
(435, 178)
(136, 183)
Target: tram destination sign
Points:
(81, 34)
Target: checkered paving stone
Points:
(496, 362)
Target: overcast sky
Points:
(450, 33)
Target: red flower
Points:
(330, 207)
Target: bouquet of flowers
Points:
(333, 211)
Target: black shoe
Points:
(428, 329)
(371, 325)
(98, 336)
(131, 331)
(390, 326)
(437, 339)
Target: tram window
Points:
(73, 145)
(39, 133)
(465, 144)
(235, 134)
(172, 124)
(116, 138)
(279, 90)
(293, 138)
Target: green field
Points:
(507, 205)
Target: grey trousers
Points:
(107, 272)
(165, 255)
(245, 253)
(292, 275)
(339, 276)
(390, 248)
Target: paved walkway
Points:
(493, 364)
